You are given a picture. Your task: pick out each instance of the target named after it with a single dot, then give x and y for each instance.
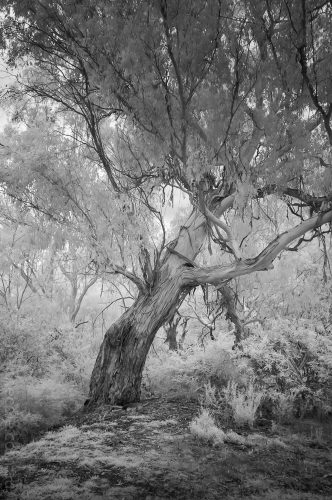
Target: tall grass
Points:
(243, 401)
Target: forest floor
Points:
(148, 452)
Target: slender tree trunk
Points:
(171, 338)
(228, 302)
(184, 333)
(171, 333)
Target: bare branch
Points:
(81, 297)
(219, 274)
(131, 276)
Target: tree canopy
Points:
(180, 93)
(229, 103)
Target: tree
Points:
(171, 332)
(229, 102)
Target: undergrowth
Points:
(184, 374)
(282, 373)
(35, 405)
(204, 428)
(276, 377)
(46, 365)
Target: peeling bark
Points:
(117, 374)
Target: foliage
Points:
(204, 427)
(45, 367)
(293, 359)
(24, 426)
(186, 86)
(37, 404)
(37, 344)
(48, 398)
(244, 402)
(185, 374)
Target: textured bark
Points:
(117, 373)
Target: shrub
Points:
(244, 402)
(203, 427)
(36, 405)
(168, 374)
(50, 398)
(293, 360)
(184, 374)
(22, 426)
(211, 396)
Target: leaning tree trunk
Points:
(117, 374)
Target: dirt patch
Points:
(147, 452)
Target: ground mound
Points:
(146, 451)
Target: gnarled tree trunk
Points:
(117, 374)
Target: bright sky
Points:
(3, 118)
(5, 79)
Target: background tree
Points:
(228, 102)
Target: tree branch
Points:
(81, 297)
(131, 276)
(314, 202)
(216, 275)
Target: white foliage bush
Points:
(243, 401)
(295, 362)
(166, 373)
(211, 396)
(46, 365)
(204, 427)
(77, 352)
(184, 374)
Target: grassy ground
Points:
(147, 452)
